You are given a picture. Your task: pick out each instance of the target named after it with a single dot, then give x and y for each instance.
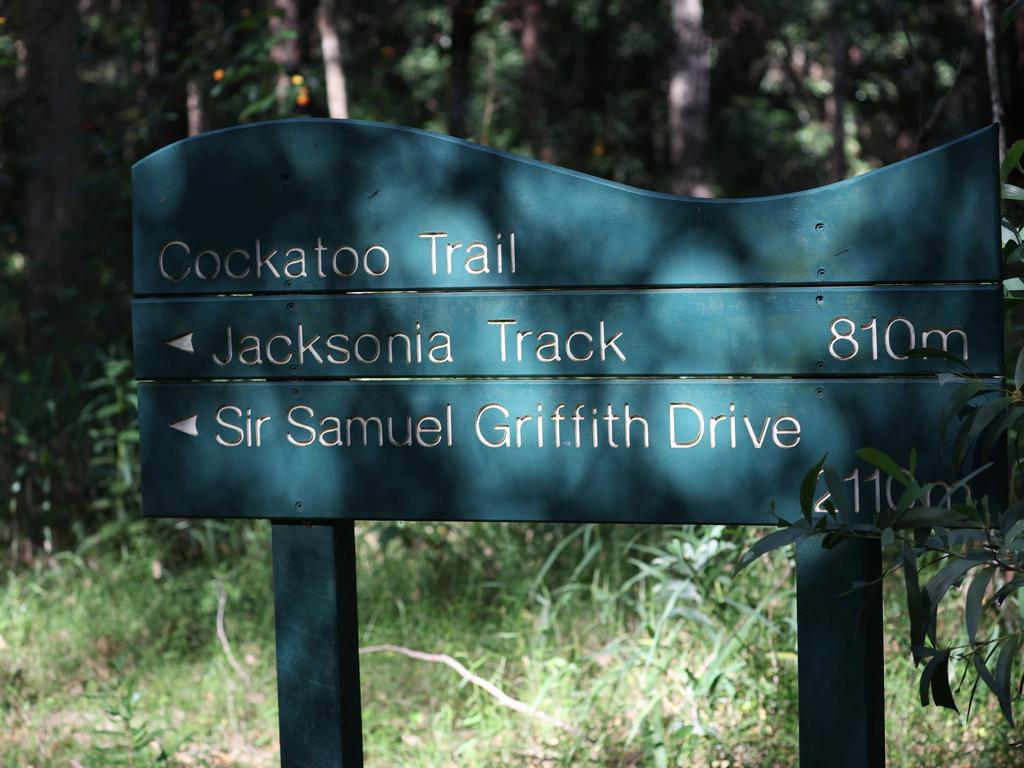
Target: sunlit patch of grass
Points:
(641, 639)
(109, 658)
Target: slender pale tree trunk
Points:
(285, 50)
(193, 87)
(330, 48)
(835, 103)
(988, 26)
(688, 95)
(194, 107)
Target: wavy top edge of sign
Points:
(327, 195)
(987, 134)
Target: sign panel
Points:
(775, 331)
(523, 342)
(685, 450)
(322, 205)
(348, 250)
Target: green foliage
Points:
(1008, 15)
(958, 545)
(110, 420)
(104, 648)
(969, 543)
(963, 544)
(597, 104)
(239, 46)
(86, 631)
(586, 619)
(128, 740)
(639, 635)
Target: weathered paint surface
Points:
(308, 184)
(775, 331)
(317, 645)
(316, 206)
(473, 458)
(841, 662)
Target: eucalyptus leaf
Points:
(884, 462)
(1013, 192)
(888, 537)
(1004, 667)
(1013, 534)
(932, 517)
(962, 482)
(984, 673)
(913, 589)
(1013, 155)
(774, 540)
(810, 482)
(1011, 515)
(942, 694)
(925, 684)
(950, 574)
(997, 430)
(1008, 588)
(910, 496)
(932, 353)
(975, 596)
(949, 378)
(930, 611)
(835, 486)
(959, 399)
(974, 424)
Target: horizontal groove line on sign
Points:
(824, 378)
(964, 284)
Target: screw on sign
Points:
(361, 338)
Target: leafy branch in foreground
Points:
(942, 532)
(969, 551)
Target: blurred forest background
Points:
(131, 642)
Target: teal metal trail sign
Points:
(336, 320)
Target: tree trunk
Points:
(688, 95)
(194, 107)
(52, 119)
(193, 83)
(284, 26)
(334, 71)
(463, 29)
(533, 118)
(1015, 84)
(835, 102)
(988, 25)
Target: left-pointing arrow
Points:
(188, 426)
(182, 341)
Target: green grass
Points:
(639, 637)
(111, 658)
